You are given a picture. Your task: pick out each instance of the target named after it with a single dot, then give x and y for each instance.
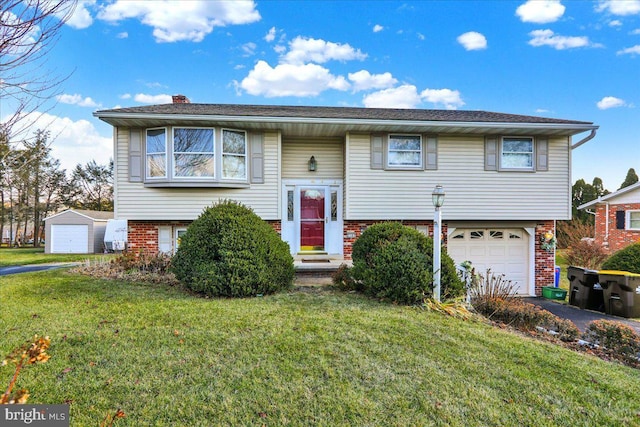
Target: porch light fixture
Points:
(437, 197)
(313, 165)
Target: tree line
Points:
(582, 193)
(34, 186)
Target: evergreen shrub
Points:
(230, 251)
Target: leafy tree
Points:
(90, 187)
(631, 178)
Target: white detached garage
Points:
(76, 231)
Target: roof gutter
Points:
(585, 139)
(343, 121)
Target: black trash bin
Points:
(585, 291)
(621, 291)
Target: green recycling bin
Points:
(584, 290)
(621, 291)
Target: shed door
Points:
(69, 239)
(504, 251)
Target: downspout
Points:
(585, 139)
(606, 225)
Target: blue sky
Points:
(575, 60)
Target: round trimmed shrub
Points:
(627, 259)
(395, 262)
(230, 251)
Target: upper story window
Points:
(156, 149)
(516, 153)
(193, 152)
(234, 154)
(201, 156)
(404, 151)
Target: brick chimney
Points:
(180, 99)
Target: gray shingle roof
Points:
(284, 111)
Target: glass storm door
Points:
(312, 219)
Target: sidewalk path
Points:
(580, 317)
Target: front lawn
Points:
(26, 256)
(307, 357)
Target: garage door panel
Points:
(503, 251)
(69, 239)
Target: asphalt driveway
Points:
(580, 317)
(15, 269)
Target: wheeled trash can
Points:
(621, 290)
(584, 290)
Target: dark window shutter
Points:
(135, 156)
(431, 153)
(377, 152)
(257, 158)
(491, 153)
(542, 154)
(620, 220)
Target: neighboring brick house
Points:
(321, 175)
(617, 218)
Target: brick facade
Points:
(143, 235)
(617, 238)
(545, 262)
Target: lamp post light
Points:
(437, 197)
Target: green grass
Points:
(300, 358)
(26, 256)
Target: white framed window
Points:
(633, 220)
(234, 154)
(193, 152)
(405, 151)
(156, 153)
(179, 232)
(517, 153)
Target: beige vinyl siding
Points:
(327, 152)
(471, 192)
(136, 202)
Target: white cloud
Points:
(615, 23)
(635, 32)
(473, 41)
(448, 98)
(364, 80)
(72, 142)
(182, 21)
(81, 17)
(610, 102)
(619, 7)
(249, 49)
(634, 50)
(377, 28)
(125, 96)
(421, 36)
(153, 99)
(290, 80)
(271, 35)
(549, 38)
(302, 50)
(405, 96)
(122, 35)
(76, 99)
(540, 11)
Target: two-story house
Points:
(321, 175)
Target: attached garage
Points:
(76, 232)
(505, 251)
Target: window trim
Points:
(245, 155)
(148, 177)
(628, 219)
(215, 181)
(173, 156)
(389, 166)
(501, 153)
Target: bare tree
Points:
(28, 31)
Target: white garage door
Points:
(504, 251)
(69, 239)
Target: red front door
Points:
(312, 219)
